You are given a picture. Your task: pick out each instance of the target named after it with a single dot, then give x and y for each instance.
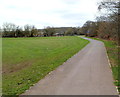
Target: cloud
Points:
(43, 13)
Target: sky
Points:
(43, 13)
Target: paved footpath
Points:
(86, 73)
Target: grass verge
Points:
(27, 60)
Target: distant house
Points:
(40, 33)
(58, 34)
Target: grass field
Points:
(27, 60)
(112, 51)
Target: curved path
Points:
(86, 73)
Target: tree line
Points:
(106, 25)
(12, 30)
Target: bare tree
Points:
(19, 32)
(49, 31)
(9, 30)
(27, 30)
(90, 28)
(34, 31)
(69, 31)
(113, 16)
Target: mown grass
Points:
(112, 51)
(27, 60)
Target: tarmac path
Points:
(86, 73)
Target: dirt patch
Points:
(17, 67)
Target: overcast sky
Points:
(42, 13)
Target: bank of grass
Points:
(112, 51)
(27, 60)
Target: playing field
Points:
(27, 60)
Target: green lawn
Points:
(112, 51)
(27, 60)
